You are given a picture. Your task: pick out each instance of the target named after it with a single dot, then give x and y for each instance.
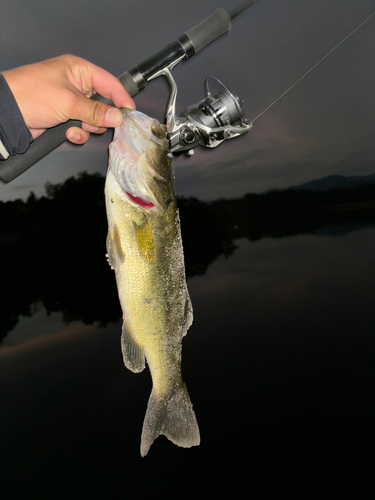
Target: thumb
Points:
(96, 113)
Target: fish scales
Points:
(145, 250)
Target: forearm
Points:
(15, 137)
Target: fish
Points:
(144, 248)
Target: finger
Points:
(105, 84)
(92, 129)
(77, 135)
(111, 88)
(94, 113)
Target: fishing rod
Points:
(218, 117)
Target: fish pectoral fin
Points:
(134, 358)
(145, 241)
(115, 253)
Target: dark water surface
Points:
(279, 362)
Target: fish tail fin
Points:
(173, 416)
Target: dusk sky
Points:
(323, 126)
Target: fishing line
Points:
(313, 67)
(236, 12)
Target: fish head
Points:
(141, 162)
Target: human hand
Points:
(56, 90)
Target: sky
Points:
(324, 126)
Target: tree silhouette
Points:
(53, 248)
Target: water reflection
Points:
(53, 248)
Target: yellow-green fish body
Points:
(145, 249)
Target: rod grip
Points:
(209, 29)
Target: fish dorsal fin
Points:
(134, 358)
(145, 241)
(115, 253)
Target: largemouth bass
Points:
(145, 250)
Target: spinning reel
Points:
(209, 122)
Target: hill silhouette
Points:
(336, 182)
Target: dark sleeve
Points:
(15, 137)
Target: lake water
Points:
(279, 363)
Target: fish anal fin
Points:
(134, 358)
(145, 241)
